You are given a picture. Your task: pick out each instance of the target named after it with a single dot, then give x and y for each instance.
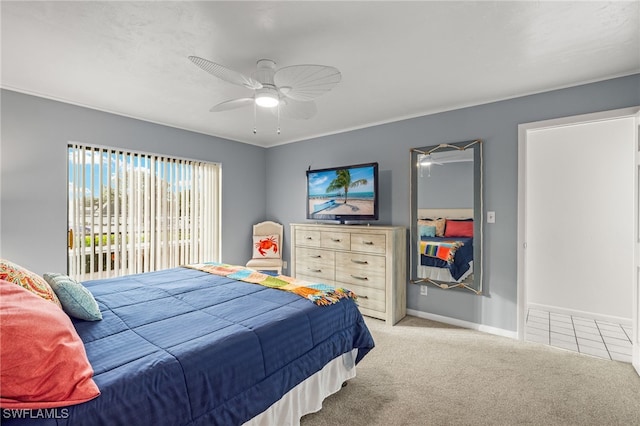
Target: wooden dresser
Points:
(369, 260)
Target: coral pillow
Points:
(266, 247)
(459, 228)
(43, 363)
(16, 274)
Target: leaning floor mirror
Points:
(446, 215)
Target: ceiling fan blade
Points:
(297, 110)
(306, 82)
(428, 160)
(225, 73)
(232, 104)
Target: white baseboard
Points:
(582, 314)
(464, 324)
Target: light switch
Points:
(491, 217)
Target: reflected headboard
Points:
(445, 213)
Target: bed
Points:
(445, 244)
(188, 347)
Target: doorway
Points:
(577, 233)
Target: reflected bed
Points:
(457, 269)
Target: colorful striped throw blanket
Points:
(318, 293)
(444, 250)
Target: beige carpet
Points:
(426, 373)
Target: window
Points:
(131, 212)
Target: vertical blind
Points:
(131, 212)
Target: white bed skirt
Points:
(441, 274)
(307, 397)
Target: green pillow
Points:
(76, 300)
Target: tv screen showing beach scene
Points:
(343, 193)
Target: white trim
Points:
(627, 322)
(580, 119)
(464, 324)
(520, 242)
(635, 339)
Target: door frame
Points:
(523, 131)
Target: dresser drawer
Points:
(308, 238)
(316, 263)
(361, 269)
(369, 243)
(370, 298)
(335, 240)
(317, 257)
(316, 280)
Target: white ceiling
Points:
(398, 59)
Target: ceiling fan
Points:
(291, 89)
(427, 160)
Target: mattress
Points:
(185, 347)
(442, 274)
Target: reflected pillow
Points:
(266, 247)
(438, 223)
(33, 282)
(426, 231)
(459, 228)
(76, 300)
(44, 363)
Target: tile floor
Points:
(587, 336)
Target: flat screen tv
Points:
(344, 194)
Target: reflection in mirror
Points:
(446, 215)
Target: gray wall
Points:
(497, 125)
(269, 184)
(448, 186)
(33, 189)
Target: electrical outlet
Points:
(284, 264)
(491, 217)
(423, 290)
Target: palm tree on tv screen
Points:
(343, 181)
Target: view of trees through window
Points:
(131, 212)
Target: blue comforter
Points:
(184, 347)
(461, 260)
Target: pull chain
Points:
(278, 118)
(255, 130)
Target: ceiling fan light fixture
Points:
(267, 97)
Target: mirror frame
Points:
(478, 216)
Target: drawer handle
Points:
(315, 270)
(315, 256)
(308, 238)
(360, 262)
(360, 278)
(369, 243)
(335, 240)
(363, 297)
